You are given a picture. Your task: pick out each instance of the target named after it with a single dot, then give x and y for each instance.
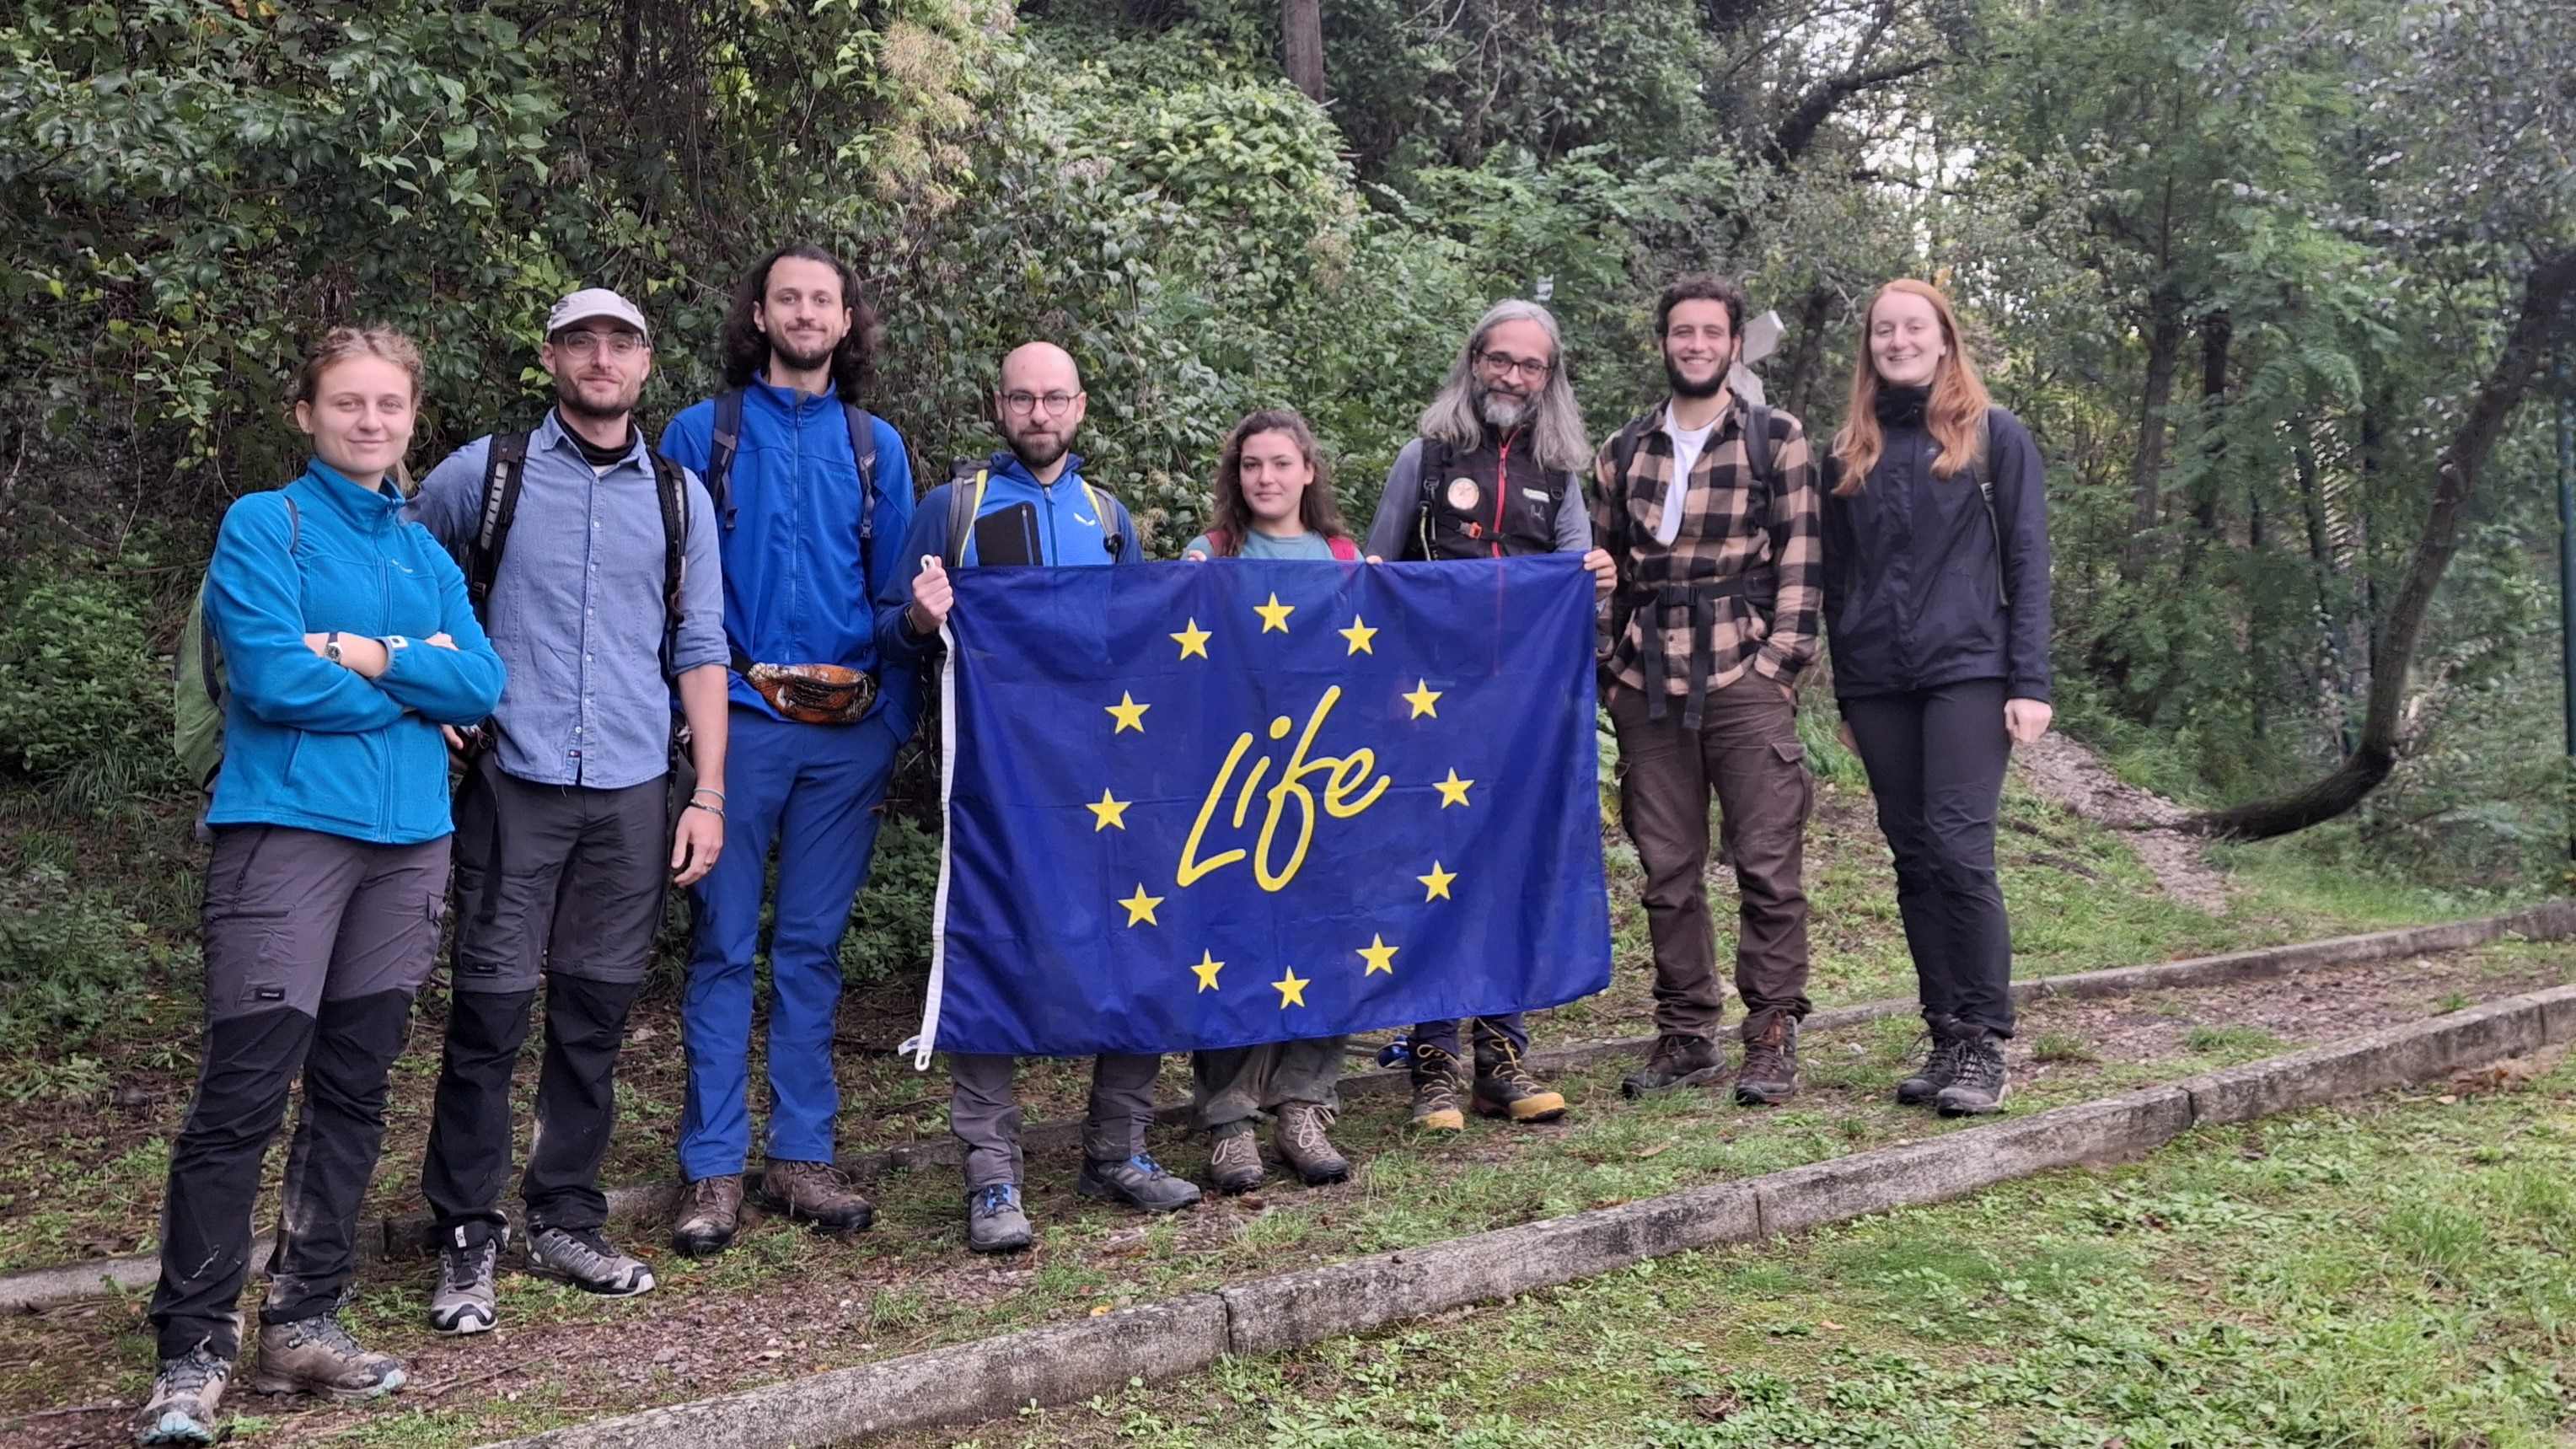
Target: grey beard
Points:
(1502, 414)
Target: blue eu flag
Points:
(1217, 804)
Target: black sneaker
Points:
(1980, 1086)
(1940, 1067)
(1678, 1060)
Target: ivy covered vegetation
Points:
(2275, 282)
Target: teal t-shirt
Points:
(1257, 544)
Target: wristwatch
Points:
(331, 646)
(394, 644)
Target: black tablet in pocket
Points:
(1008, 536)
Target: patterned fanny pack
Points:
(814, 693)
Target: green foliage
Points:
(889, 931)
(78, 680)
(71, 965)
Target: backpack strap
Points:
(672, 486)
(1222, 542)
(724, 441)
(505, 467)
(1345, 550)
(965, 500)
(1433, 461)
(863, 447)
(1111, 537)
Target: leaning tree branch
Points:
(2545, 294)
(1798, 131)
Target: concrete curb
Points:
(993, 1377)
(36, 1288)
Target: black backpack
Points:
(505, 470)
(726, 441)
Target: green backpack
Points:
(197, 684)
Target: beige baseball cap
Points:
(592, 302)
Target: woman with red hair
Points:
(1936, 606)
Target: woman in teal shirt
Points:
(347, 641)
(1274, 499)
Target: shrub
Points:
(79, 682)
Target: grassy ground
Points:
(84, 1144)
(786, 1302)
(2397, 1274)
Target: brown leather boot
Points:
(1435, 1091)
(710, 1210)
(814, 1192)
(1769, 1075)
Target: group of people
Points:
(660, 662)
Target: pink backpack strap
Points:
(1221, 542)
(1345, 550)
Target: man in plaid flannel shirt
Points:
(1710, 510)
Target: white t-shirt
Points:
(1687, 446)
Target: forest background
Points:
(2276, 283)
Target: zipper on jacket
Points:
(1502, 489)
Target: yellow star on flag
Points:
(1192, 639)
(1291, 989)
(1140, 906)
(1436, 884)
(1359, 634)
(1453, 791)
(1422, 699)
(1379, 955)
(1110, 811)
(1207, 968)
(1129, 714)
(1274, 615)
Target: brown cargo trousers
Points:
(1746, 751)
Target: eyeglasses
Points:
(1503, 364)
(1021, 403)
(586, 342)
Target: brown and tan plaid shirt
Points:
(1734, 533)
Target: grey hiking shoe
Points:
(317, 1356)
(1140, 1182)
(815, 1192)
(994, 1222)
(1234, 1158)
(1678, 1060)
(1769, 1075)
(1980, 1085)
(184, 1395)
(587, 1262)
(1302, 1143)
(468, 1269)
(1939, 1068)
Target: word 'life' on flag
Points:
(1198, 805)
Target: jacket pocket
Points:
(339, 777)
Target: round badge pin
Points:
(1464, 495)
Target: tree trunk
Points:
(2217, 331)
(2545, 293)
(2146, 475)
(1301, 31)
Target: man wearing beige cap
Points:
(593, 563)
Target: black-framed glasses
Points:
(1503, 364)
(1022, 404)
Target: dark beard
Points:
(800, 361)
(1039, 455)
(568, 398)
(1683, 387)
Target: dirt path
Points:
(2069, 773)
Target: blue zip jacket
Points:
(313, 744)
(1068, 534)
(797, 583)
(1926, 584)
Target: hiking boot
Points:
(1769, 1075)
(1678, 1060)
(1302, 1143)
(1138, 1181)
(184, 1395)
(585, 1260)
(317, 1356)
(710, 1211)
(816, 1193)
(1234, 1159)
(1505, 1088)
(1435, 1090)
(1939, 1068)
(468, 1267)
(994, 1222)
(1979, 1086)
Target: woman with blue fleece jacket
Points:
(348, 642)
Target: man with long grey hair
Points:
(1493, 474)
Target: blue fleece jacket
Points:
(313, 744)
(797, 578)
(1069, 533)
